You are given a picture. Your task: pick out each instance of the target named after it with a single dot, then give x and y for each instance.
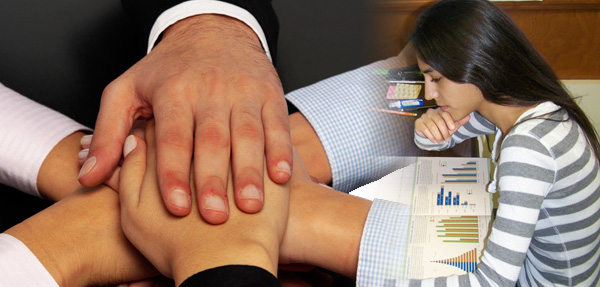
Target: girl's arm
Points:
(29, 131)
(433, 130)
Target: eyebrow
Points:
(427, 71)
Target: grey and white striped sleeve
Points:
(476, 126)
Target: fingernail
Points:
(130, 144)
(179, 198)
(87, 166)
(283, 166)
(83, 153)
(86, 140)
(214, 202)
(251, 192)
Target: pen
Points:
(419, 108)
(396, 112)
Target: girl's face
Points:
(457, 99)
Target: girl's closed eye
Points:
(435, 80)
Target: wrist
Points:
(53, 251)
(57, 176)
(310, 148)
(325, 228)
(207, 25)
(186, 263)
(80, 243)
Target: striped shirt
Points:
(547, 227)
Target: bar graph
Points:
(466, 261)
(458, 229)
(466, 173)
(449, 198)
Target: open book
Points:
(450, 212)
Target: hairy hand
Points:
(214, 94)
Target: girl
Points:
(486, 77)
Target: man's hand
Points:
(213, 93)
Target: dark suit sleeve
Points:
(145, 12)
(232, 276)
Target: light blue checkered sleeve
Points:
(355, 137)
(383, 244)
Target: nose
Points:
(430, 91)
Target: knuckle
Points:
(188, 83)
(171, 110)
(249, 126)
(249, 131)
(214, 134)
(266, 87)
(175, 137)
(274, 90)
(114, 86)
(211, 184)
(174, 85)
(281, 121)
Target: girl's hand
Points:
(181, 246)
(438, 126)
(138, 130)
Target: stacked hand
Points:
(214, 94)
(180, 247)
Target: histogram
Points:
(466, 261)
(459, 229)
(466, 173)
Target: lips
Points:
(444, 108)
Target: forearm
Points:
(310, 148)
(57, 177)
(80, 242)
(29, 132)
(325, 228)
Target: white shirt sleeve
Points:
(20, 267)
(197, 7)
(28, 132)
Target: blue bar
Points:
(459, 174)
(465, 168)
(462, 180)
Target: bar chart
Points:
(466, 261)
(447, 197)
(466, 173)
(458, 229)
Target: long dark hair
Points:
(474, 41)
